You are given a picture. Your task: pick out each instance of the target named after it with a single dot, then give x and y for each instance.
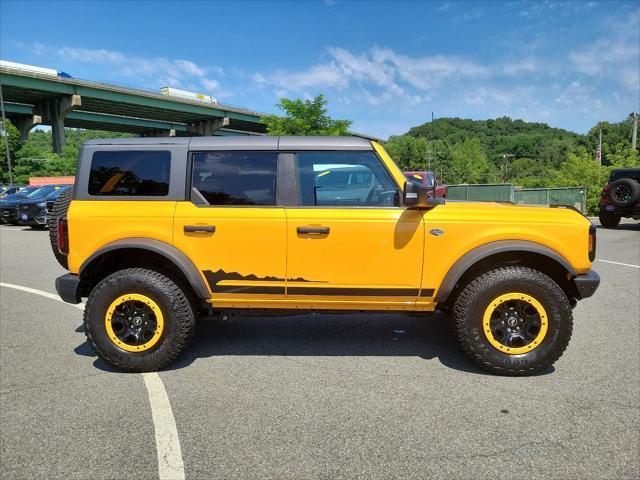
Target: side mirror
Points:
(417, 196)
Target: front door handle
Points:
(314, 230)
(199, 228)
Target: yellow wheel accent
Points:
(515, 323)
(134, 322)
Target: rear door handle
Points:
(199, 228)
(316, 230)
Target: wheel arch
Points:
(505, 252)
(140, 252)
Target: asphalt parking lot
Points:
(357, 396)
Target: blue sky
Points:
(385, 65)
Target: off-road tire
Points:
(59, 210)
(631, 186)
(476, 296)
(179, 319)
(608, 220)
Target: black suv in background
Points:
(9, 204)
(620, 197)
(35, 211)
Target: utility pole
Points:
(505, 174)
(6, 135)
(599, 152)
(634, 129)
(433, 136)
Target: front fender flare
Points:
(474, 256)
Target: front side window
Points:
(235, 178)
(130, 173)
(344, 179)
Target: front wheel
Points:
(513, 321)
(138, 320)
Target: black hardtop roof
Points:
(246, 142)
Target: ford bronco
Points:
(159, 231)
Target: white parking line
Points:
(170, 464)
(618, 263)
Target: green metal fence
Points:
(574, 196)
(490, 192)
(496, 192)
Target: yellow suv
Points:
(158, 231)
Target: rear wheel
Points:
(59, 210)
(513, 321)
(138, 320)
(609, 220)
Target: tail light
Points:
(604, 197)
(63, 236)
(592, 243)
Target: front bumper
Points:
(9, 214)
(67, 287)
(32, 215)
(586, 284)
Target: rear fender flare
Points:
(171, 253)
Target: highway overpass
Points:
(32, 98)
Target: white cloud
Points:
(210, 84)
(156, 71)
(615, 55)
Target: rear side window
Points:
(130, 173)
(235, 178)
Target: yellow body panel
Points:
(95, 223)
(468, 225)
(249, 244)
(372, 258)
(377, 252)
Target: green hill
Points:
(502, 136)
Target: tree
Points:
(8, 133)
(305, 117)
(409, 153)
(469, 164)
(581, 170)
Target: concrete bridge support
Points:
(25, 124)
(206, 128)
(56, 111)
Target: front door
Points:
(232, 229)
(349, 245)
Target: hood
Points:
(32, 201)
(11, 201)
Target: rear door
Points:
(350, 246)
(232, 228)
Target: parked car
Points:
(427, 179)
(620, 197)
(9, 204)
(10, 190)
(33, 211)
(157, 231)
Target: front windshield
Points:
(42, 191)
(53, 195)
(26, 191)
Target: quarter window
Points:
(344, 179)
(235, 178)
(130, 173)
